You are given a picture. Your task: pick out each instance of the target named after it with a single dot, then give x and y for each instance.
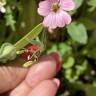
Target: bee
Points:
(31, 52)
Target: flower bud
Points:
(7, 52)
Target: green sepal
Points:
(7, 52)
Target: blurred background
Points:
(75, 43)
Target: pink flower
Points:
(55, 12)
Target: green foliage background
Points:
(75, 43)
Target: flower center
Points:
(55, 7)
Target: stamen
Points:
(55, 7)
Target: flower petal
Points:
(59, 19)
(66, 17)
(67, 5)
(50, 21)
(62, 18)
(53, 1)
(44, 8)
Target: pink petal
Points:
(66, 17)
(67, 5)
(53, 1)
(44, 8)
(62, 18)
(50, 21)
(59, 19)
(60, 22)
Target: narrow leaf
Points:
(31, 35)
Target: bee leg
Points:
(36, 58)
(27, 64)
(29, 57)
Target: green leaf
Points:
(88, 88)
(78, 32)
(92, 53)
(70, 62)
(31, 35)
(64, 48)
(78, 3)
(92, 4)
(90, 24)
(54, 48)
(10, 18)
(91, 46)
(82, 68)
(70, 75)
